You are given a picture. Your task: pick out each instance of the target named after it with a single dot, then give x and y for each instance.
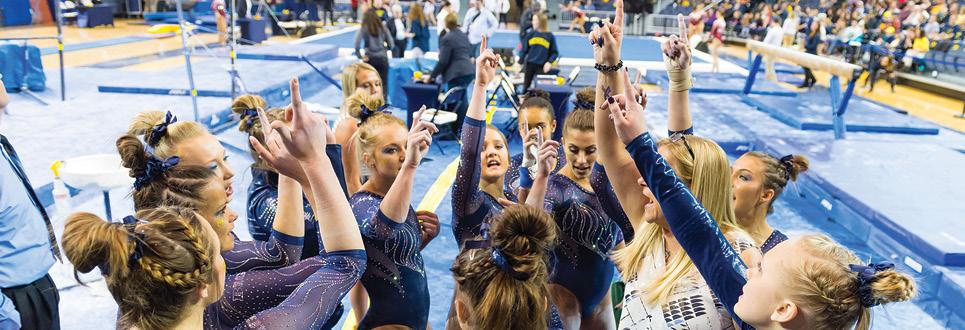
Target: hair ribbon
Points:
(160, 130)
(367, 113)
(866, 275)
(130, 222)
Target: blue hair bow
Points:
(866, 275)
(252, 114)
(130, 222)
(500, 260)
(788, 166)
(160, 130)
(367, 113)
(154, 168)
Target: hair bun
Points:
(891, 286)
(525, 235)
(794, 165)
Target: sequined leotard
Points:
(586, 236)
(472, 207)
(394, 277)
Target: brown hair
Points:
(824, 285)
(579, 119)
(525, 236)
(154, 290)
(250, 123)
(585, 97)
(452, 21)
(543, 23)
(371, 22)
(777, 175)
(143, 126)
(416, 14)
(538, 102)
(181, 185)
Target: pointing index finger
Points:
(618, 19)
(682, 24)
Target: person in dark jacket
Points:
(455, 63)
(378, 40)
(811, 42)
(539, 51)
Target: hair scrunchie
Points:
(866, 275)
(160, 130)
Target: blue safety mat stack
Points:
(16, 12)
(18, 70)
(812, 111)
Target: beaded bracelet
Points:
(608, 68)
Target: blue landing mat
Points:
(720, 83)
(570, 45)
(915, 203)
(812, 111)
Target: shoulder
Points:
(740, 240)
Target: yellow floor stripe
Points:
(432, 198)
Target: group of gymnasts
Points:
(540, 233)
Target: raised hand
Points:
(274, 152)
(420, 138)
(429, 224)
(676, 48)
(547, 158)
(608, 39)
(626, 111)
(486, 65)
(305, 140)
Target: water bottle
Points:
(60, 192)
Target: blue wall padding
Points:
(12, 67)
(16, 12)
(400, 72)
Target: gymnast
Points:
(357, 78)
(535, 113)
(758, 180)
(394, 233)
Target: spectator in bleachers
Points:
(478, 22)
(919, 46)
(791, 25)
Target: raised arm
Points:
(290, 216)
(397, 200)
(620, 169)
(677, 59)
(337, 224)
(465, 190)
(706, 245)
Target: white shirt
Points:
(790, 25)
(484, 24)
(774, 35)
(441, 21)
(399, 29)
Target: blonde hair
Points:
(350, 77)
(708, 177)
(578, 119)
(371, 128)
(143, 126)
(181, 185)
(824, 285)
(525, 236)
(176, 257)
(543, 23)
(416, 14)
(776, 175)
(251, 125)
(452, 21)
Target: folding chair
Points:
(446, 115)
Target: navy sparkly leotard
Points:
(263, 203)
(715, 258)
(395, 276)
(586, 236)
(472, 207)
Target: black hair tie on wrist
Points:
(608, 68)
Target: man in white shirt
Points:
(773, 37)
(478, 22)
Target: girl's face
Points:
(218, 215)
(386, 157)
(747, 179)
(537, 118)
(764, 301)
(368, 81)
(580, 149)
(205, 150)
(495, 156)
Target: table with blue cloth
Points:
(97, 15)
(418, 94)
(559, 95)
